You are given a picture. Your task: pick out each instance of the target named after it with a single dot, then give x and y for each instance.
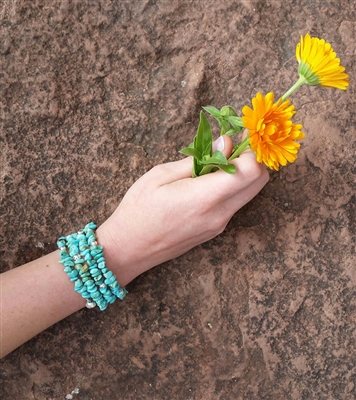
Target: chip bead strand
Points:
(84, 262)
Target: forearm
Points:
(34, 297)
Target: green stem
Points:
(244, 145)
(297, 85)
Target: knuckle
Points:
(254, 171)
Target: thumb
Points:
(174, 171)
(224, 144)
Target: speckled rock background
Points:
(93, 94)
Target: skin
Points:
(163, 215)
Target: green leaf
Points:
(230, 132)
(191, 151)
(227, 111)
(207, 169)
(217, 158)
(236, 123)
(204, 137)
(202, 142)
(229, 168)
(224, 126)
(212, 111)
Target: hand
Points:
(166, 212)
(163, 215)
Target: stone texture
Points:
(94, 93)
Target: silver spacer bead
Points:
(76, 256)
(90, 304)
(62, 248)
(103, 286)
(80, 231)
(94, 243)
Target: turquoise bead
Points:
(89, 282)
(65, 259)
(67, 269)
(91, 262)
(120, 293)
(95, 272)
(99, 255)
(84, 270)
(102, 304)
(68, 263)
(96, 295)
(90, 237)
(73, 273)
(114, 285)
(104, 290)
(110, 280)
(108, 274)
(111, 299)
(78, 283)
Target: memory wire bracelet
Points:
(84, 262)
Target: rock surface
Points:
(93, 94)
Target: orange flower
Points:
(272, 134)
(318, 64)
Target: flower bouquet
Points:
(271, 134)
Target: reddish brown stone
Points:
(93, 94)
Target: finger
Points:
(237, 201)
(224, 144)
(226, 210)
(163, 174)
(224, 185)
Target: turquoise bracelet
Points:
(84, 262)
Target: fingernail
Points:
(219, 144)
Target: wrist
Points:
(114, 253)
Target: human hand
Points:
(166, 212)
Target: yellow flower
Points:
(318, 64)
(272, 134)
